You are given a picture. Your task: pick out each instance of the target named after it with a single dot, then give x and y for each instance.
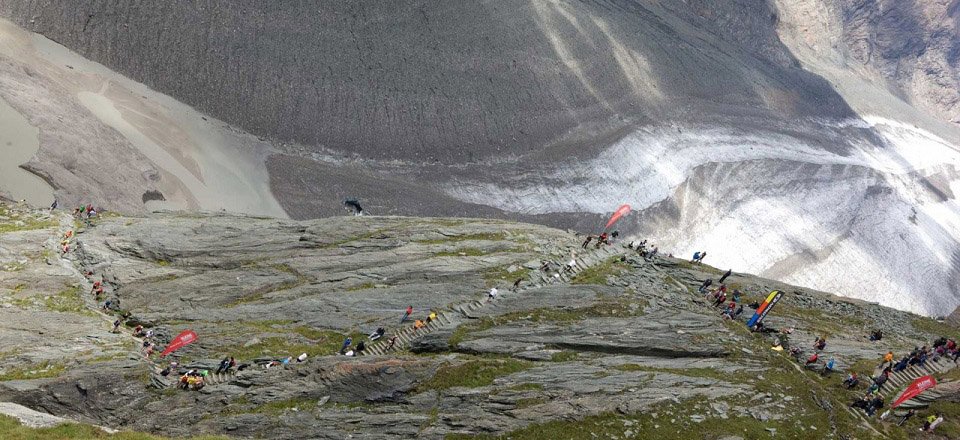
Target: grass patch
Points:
(278, 339)
(707, 373)
(42, 370)
(564, 356)
(260, 292)
(606, 306)
(364, 286)
(18, 222)
(685, 264)
(279, 406)
(498, 275)
(68, 301)
(599, 273)
(934, 328)
(11, 429)
(530, 401)
(473, 373)
(529, 386)
(485, 236)
(462, 252)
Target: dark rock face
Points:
(451, 82)
(912, 43)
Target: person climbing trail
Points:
(346, 343)
(492, 295)
(903, 419)
(587, 242)
(391, 342)
(516, 284)
(727, 274)
(696, 257)
(116, 326)
(887, 359)
(702, 256)
(406, 315)
(377, 334)
(653, 253)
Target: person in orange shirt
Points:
(888, 358)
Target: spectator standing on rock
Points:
(705, 285)
(724, 277)
(406, 314)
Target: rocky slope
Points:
(822, 125)
(623, 348)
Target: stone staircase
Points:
(213, 378)
(900, 380)
(536, 279)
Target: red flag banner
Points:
(918, 386)
(622, 211)
(182, 339)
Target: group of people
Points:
(646, 254)
(87, 213)
(718, 297)
(193, 380)
(698, 257)
(602, 239)
(65, 242)
(348, 349)
(871, 401)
